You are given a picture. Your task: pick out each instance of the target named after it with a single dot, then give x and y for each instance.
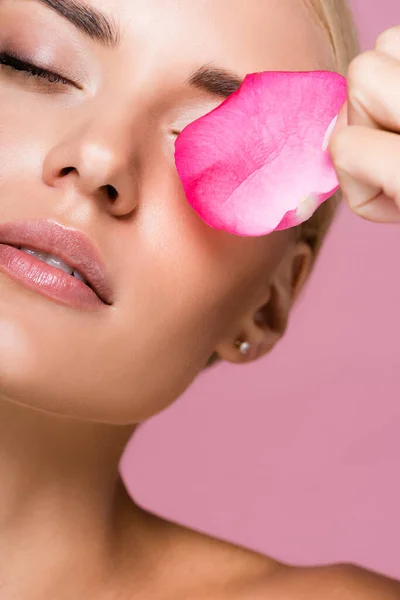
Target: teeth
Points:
(59, 264)
(53, 261)
(40, 255)
(79, 276)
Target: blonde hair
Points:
(336, 19)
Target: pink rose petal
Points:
(257, 162)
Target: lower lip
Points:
(49, 281)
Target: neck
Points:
(60, 489)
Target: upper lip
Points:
(71, 245)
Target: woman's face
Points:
(180, 289)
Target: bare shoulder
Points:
(191, 564)
(339, 582)
(247, 574)
(235, 573)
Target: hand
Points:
(365, 144)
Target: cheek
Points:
(175, 294)
(22, 144)
(188, 281)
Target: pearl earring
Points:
(243, 347)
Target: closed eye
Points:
(8, 61)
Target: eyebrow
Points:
(87, 19)
(94, 24)
(215, 81)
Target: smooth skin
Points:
(74, 384)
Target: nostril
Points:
(66, 171)
(111, 192)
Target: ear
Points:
(265, 323)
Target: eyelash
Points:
(20, 66)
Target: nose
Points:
(99, 162)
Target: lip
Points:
(71, 246)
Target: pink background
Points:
(299, 456)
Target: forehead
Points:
(247, 35)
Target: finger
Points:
(389, 42)
(379, 208)
(374, 91)
(367, 164)
(346, 181)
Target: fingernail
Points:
(338, 123)
(328, 134)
